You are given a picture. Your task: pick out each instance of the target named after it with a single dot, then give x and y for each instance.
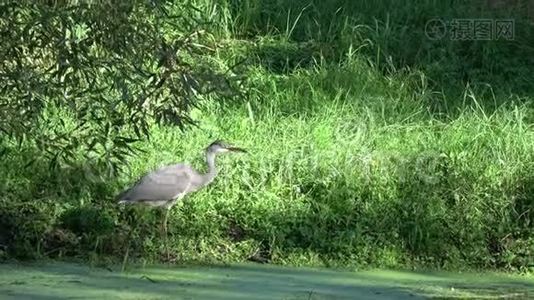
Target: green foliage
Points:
(90, 78)
(370, 145)
(391, 35)
(88, 220)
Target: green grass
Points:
(365, 150)
(248, 281)
(365, 176)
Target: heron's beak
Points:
(237, 149)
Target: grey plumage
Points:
(165, 186)
(160, 187)
(169, 184)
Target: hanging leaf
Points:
(114, 66)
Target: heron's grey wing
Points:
(165, 183)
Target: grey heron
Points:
(167, 185)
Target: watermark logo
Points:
(470, 29)
(436, 29)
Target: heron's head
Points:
(222, 147)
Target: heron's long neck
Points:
(212, 170)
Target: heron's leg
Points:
(165, 220)
(168, 207)
(166, 241)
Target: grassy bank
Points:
(370, 145)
